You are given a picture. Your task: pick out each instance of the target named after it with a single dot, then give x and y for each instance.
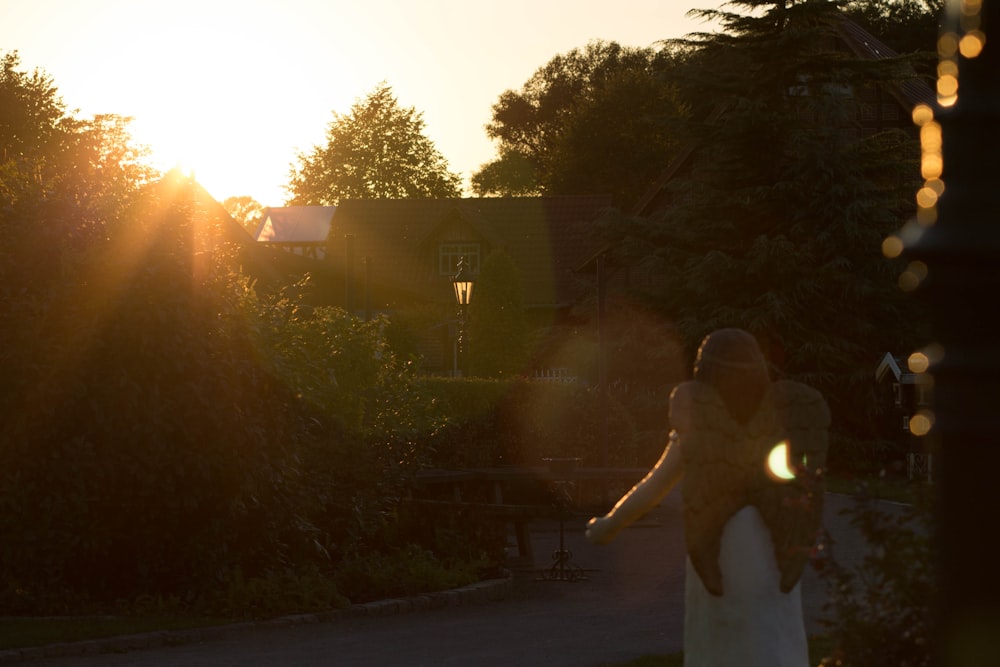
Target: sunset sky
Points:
(233, 90)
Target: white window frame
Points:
(450, 253)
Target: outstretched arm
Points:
(643, 497)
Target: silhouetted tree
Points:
(245, 210)
(377, 151)
(593, 120)
(906, 26)
(777, 226)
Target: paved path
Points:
(630, 605)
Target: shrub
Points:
(399, 572)
(520, 422)
(880, 607)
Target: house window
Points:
(450, 253)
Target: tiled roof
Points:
(548, 238)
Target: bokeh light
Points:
(914, 274)
(972, 44)
(922, 422)
(918, 362)
(892, 246)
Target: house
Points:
(399, 253)
(298, 229)
(410, 248)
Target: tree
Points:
(497, 326)
(777, 227)
(377, 151)
(31, 122)
(245, 210)
(908, 26)
(596, 120)
(63, 180)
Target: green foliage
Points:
(141, 451)
(245, 210)
(520, 422)
(498, 334)
(164, 428)
(378, 150)
(864, 457)
(510, 175)
(408, 570)
(880, 608)
(906, 26)
(279, 592)
(777, 225)
(595, 120)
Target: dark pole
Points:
(463, 342)
(368, 286)
(602, 363)
(960, 252)
(348, 270)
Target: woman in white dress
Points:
(748, 526)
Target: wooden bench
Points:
(483, 490)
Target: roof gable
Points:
(288, 224)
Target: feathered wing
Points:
(793, 509)
(722, 469)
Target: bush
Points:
(145, 434)
(880, 608)
(168, 432)
(520, 422)
(400, 572)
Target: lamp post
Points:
(463, 283)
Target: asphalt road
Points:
(630, 604)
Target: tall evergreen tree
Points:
(777, 226)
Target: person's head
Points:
(731, 361)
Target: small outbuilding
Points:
(907, 392)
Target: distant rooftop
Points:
(288, 224)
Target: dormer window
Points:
(449, 255)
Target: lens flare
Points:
(777, 462)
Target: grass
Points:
(23, 632)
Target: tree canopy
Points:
(245, 210)
(777, 225)
(377, 151)
(593, 120)
(908, 26)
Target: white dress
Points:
(753, 624)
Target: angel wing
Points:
(793, 509)
(723, 469)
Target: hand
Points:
(598, 531)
